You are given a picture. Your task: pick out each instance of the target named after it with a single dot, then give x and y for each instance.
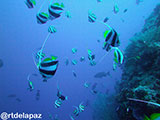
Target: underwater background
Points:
(21, 35)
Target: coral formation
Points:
(141, 72)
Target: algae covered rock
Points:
(141, 72)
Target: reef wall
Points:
(141, 72)
(104, 107)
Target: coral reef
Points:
(141, 72)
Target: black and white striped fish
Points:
(48, 67)
(30, 3)
(111, 39)
(55, 10)
(91, 17)
(42, 17)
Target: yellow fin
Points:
(45, 14)
(115, 54)
(106, 33)
(53, 57)
(47, 59)
(34, 2)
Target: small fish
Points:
(30, 3)
(1, 63)
(38, 95)
(61, 97)
(67, 61)
(138, 57)
(74, 50)
(30, 84)
(48, 67)
(118, 56)
(76, 111)
(58, 103)
(82, 59)
(74, 73)
(74, 62)
(102, 74)
(94, 91)
(42, 18)
(91, 56)
(18, 100)
(81, 107)
(115, 9)
(12, 95)
(55, 10)
(105, 19)
(86, 85)
(125, 10)
(52, 29)
(91, 17)
(68, 14)
(111, 39)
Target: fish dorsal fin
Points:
(45, 14)
(34, 2)
(56, 4)
(89, 52)
(59, 5)
(62, 5)
(47, 59)
(53, 57)
(154, 116)
(106, 33)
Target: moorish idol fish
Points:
(91, 56)
(48, 67)
(91, 17)
(30, 84)
(76, 111)
(115, 9)
(55, 10)
(58, 103)
(30, 3)
(52, 29)
(42, 17)
(118, 56)
(60, 96)
(111, 39)
(81, 107)
(82, 59)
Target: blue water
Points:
(20, 36)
